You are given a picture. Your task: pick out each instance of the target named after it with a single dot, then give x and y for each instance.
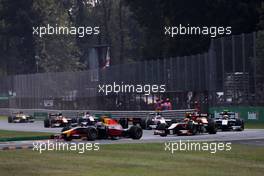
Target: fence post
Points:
(223, 65)
(185, 73)
(255, 64)
(233, 55)
(171, 75)
(244, 65)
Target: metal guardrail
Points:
(114, 114)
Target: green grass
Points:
(3, 117)
(134, 160)
(254, 125)
(10, 134)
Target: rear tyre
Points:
(68, 138)
(10, 119)
(241, 126)
(135, 132)
(143, 124)
(31, 119)
(46, 123)
(123, 122)
(194, 130)
(91, 134)
(74, 120)
(211, 129)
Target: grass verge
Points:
(18, 134)
(3, 117)
(254, 125)
(134, 159)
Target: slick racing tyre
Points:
(67, 138)
(162, 128)
(123, 122)
(30, 119)
(148, 123)
(46, 123)
(192, 128)
(240, 123)
(10, 119)
(91, 134)
(135, 132)
(211, 129)
(242, 126)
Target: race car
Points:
(229, 121)
(58, 120)
(103, 129)
(192, 124)
(156, 120)
(20, 117)
(85, 119)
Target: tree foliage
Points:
(133, 29)
(260, 44)
(241, 15)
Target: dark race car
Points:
(229, 121)
(58, 120)
(103, 129)
(192, 124)
(20, 117)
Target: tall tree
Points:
(260, 44)
(17, 20)
(241, 15)
(56, 52)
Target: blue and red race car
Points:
(104, 128)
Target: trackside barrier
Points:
(248, 113)
(114, 114)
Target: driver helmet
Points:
(225, 116)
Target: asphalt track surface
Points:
(248, 136)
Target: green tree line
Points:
(133, 29)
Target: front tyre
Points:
(46, 123)
(92, 134)
(10, 119)
(68, 138)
